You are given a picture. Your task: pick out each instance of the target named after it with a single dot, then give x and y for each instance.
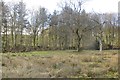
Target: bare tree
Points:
(81, 20)
(0, 26)
(35, 25)
(98, 31)
(77, 21)
(5, 11)
(43, 21)
(21, 19)
(53, 27)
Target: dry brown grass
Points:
(61, 64)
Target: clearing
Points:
(65, 64)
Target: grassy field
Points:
(65, 64)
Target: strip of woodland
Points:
(71, 28)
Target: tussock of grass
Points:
(65, 64)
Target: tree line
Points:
(70, 28)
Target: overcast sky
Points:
(101, 6)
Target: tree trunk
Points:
(12, 36)
(0, 43)
(21, 39)
(6, 37)
(42, 37)
(100, 44)
(15, 39)
(78, 46)
(37, 40)
(34, 38)
(79, 37)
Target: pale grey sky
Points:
(91, 5)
